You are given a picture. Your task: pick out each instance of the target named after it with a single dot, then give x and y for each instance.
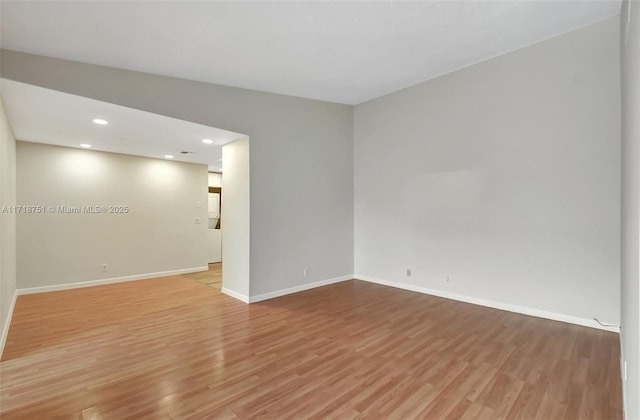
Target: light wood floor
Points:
(211, 278)
(174, 348)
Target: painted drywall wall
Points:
(236, 217)
(500, 182)
(215, 179)
(630, 226)
(301, 159)
(7, 224)
(156, 233)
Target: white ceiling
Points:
(345, 52)
(47, 116)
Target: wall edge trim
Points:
(235, 295)
(7, 323)
(100, 282)
(539, 313)
(300, 288)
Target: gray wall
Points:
(630, 291)
(503, 176)
(301, 159)
(7, 222)
(156, 234)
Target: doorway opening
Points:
(213, 276)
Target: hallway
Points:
(212, 278)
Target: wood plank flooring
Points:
(211, 278)
(174, 348)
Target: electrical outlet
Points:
(408, 272)
(105, 268)
(197, 220)
(306, 272)
(448, 279)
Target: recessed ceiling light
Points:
(168, 156)
(85, 145)
(100, 121)
(207, 141)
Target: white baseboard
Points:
(491, 304)
(100, 282)
(295, 289)
(622, 380)
(235, 294)
(7, 323)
